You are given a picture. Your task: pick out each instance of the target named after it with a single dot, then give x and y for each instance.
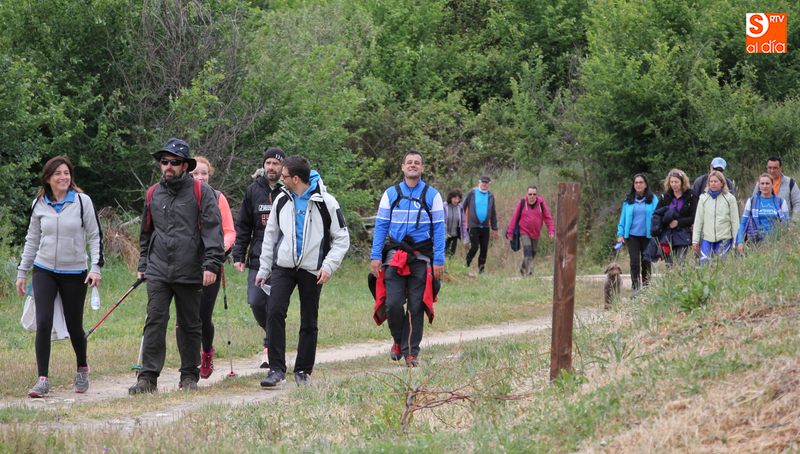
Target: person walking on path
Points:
(203, 172)
(701, 183)
(456, 222)
(305, 241)
(676, 209)
(250, 223)
(634, 228)
(531, 213)
(181, 252)
(63, 222)
(479, 206)
(784, 186)
(408, 249)
(716, 220)
(760, 213)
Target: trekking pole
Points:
(227, 319)
(138, 365)
(133, 287)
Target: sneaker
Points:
(302, 378)
(395, 354)
(274, 378)
(187, 384)
(40, 389)
(412, 361)
(206, 363)
(142, 386)
(264, 359)
(82, 380)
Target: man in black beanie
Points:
(250, 223)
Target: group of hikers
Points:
(703, 216)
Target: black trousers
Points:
(407, 324)
(640, 268)
(283, 281)
(478, 237)
(259, 303)
(207, 302)
(187, 328)
(450, 245)
(46, 284)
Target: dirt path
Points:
(116, 387)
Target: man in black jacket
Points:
(250, 223)
(181, 251)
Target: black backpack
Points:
(422, 200)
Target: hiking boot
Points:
(206, 363)
(274, 378)
(264, 359)
(40, 389)
(187, 384)
(395, 354)
(82, 380)
(412, 361)
(302, 378)
(142, 386)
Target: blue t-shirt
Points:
(481, 205)
(300, 207)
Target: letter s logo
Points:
(756, 25)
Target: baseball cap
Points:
(718, 163)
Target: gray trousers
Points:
(529, 252)
(187, 328)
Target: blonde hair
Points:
(679, 174)
(718, 175)
(204, 160)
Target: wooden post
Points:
(564, 277)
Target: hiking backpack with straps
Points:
(323, 212)
(422, 200)
(198, 196)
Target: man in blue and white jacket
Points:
(299, 250)
(409, 224)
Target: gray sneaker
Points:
(40, 389)
(302, 378)
(274, 378)
(142, 386)
(187, 384)
(82, 380)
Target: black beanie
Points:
(274, 152)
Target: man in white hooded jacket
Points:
(305, 240)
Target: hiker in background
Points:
(634, 228)
(305, 241)
(479, 206)
(783, 186)
(716, 220)
(679, 204)
(203, 172)
(761, 212)
(455, 221)
(407, 255)
(181, 252)
(250, 223)
(701, 183)
(63, 222)
(531, 213)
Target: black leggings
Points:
(207, 301)
(46, 284)
(639, 266)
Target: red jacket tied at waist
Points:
(400, 261)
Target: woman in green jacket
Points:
(716, 220)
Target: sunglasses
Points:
(531, 194)
(172, 162)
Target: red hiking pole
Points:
(227, 318)
(133, 287)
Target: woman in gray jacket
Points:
(63, 221)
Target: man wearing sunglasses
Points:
(181, 251)
(530, 214)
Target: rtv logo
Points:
(766, 33)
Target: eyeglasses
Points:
(172, 162)
(532, 194)
(285, 176)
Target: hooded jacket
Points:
(280, 236)
(57, 241)
(531, 219)
(716, 219)
(252, 219)
(180, 246)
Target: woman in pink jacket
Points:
(531, 212)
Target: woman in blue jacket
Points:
(634, 227)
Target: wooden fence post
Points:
(564, 277)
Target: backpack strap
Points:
(80, 202)
(519, 213)
(423, 202)
(148, 200)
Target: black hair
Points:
(775, 158)
(454, 193)
(648, 194)
(298, 166)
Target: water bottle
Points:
(95, 299)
